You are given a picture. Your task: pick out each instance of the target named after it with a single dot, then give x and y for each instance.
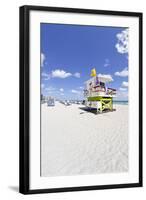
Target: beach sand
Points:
(75, 142)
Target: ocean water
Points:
(120, 102)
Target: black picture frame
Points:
(24, 138)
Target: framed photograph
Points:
(80, 99)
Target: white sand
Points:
(75, 142)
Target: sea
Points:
(120, 102)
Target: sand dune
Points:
(74, 141)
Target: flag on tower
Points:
(93, 72)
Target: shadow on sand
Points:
(90, 110)
(94, 110)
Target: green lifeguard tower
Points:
(97, 94)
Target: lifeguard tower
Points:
(51, 101)
(97, 94)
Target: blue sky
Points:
(69, 52)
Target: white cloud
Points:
(42, 59)
(76, 92)
(122, 89)
(77, 75)
(61, 90)
(122, 95)
(107, 63)
(42, 86)
(81, 87)
(123, 41)
(123, 73)
(50, 89)
(45, 76)
(124, 84)
(108, 76)
(62, 94)
(60, 74)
